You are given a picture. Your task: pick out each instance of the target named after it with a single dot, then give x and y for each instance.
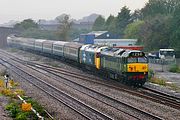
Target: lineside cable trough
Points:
(25, 106)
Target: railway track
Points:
(80, 107)
(166, 98)
(144, 92)
(147, 114)
(102, 98)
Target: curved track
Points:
(80, 107)
(144, 92)
(161, 99)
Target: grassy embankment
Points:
(14, 106)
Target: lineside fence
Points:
(163, 61)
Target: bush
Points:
(13, 109)
(36, 106)
(1, 83)
(150, 74)
(7, 92)
(158, 81)
(16, 112)
(22, 116)
(174, 68)
(20, 92)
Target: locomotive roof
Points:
(93, 48)
(73, 44)
(22, 39)
(39, 40)
(101, 48)
(59, 42)
(128, 52)
(113, 51)
(48, 42)
(84, 46)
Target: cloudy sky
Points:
(49, 9)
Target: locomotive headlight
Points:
(125, 68)
(130, 68)
(144, 67)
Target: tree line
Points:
(156, 25)
(64, 32)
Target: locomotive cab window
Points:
(124, 60)
(142, 60)
(137, 60)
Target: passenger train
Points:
(128, 66)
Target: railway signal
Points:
(6, 79)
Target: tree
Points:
(64, 27)
(132, 30)
(175, 28)
(163, 7)
(162, 31)
(99, 24)
(109, 20)
(137, 15)
(26, 24)
(155, 33)
(123, 19)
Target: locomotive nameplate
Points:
(136, 54)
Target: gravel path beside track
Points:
(3, 103)
(162, 72)
(170, 77)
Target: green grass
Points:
(150, 74)
(158, 81)
(14, 104)
(162, 82)
(174, 68)
(12, 50)
(15, 111)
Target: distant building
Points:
(105, 38)
(104, 35)
(115, 42)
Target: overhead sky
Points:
(49, 9)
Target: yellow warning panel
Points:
(26, 106)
